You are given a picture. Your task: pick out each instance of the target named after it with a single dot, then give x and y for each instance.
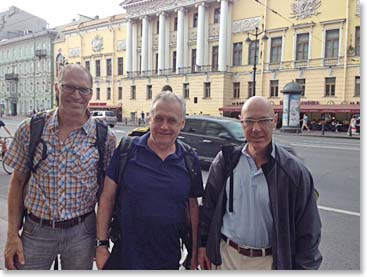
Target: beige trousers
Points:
(232, 260)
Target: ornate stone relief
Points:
(97, 43)
(193, 34)
(214, 30)
(173, 37)
(74, 52)
(302, 9)
(121, 45)
(151, 7)
(245, 25)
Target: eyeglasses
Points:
(71, 89)
(248, 122)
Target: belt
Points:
(246, 251)
(64, 224)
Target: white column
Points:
(229, 59)
(180, 39)
(134, 46)
(167, 52)
(144, 44)
(200, 35)
(186, 41)
(161, 42)
(150, 44)
(223, 36)
(129, 46)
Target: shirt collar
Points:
(88, 126)
(270, 150)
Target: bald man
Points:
(259, 211)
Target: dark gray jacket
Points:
(297, 225)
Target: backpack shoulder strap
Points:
(231, 156)
(189, 157)
(36, 130)
(124, 148)
(101, 136)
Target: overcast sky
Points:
(62, 12)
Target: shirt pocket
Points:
(83, 161)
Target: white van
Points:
(108, 117)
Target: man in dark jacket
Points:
(259, 208)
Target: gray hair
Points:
(67, 67)
(168, 96)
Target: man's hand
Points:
(13, 250)
(204, 261)
(102, 255)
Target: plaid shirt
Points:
(65, 184)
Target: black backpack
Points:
(36, 130)
(114, 230)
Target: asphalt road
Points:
(335, 166)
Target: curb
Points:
(341, 136)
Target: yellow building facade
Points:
(206, 52)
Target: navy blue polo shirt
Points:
(153, 196)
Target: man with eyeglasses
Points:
(62, 192)
(259, 209)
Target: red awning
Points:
(317, 108)
(103, 105)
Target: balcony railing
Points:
(330, 61)
(11, 76)
(40, 53)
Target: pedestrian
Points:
(2, 143)
(62, 193)
(143, 117)
(153, 192)
(352, 126)
(259, 209)
(305, 123)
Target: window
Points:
(217, 15)
(250, 89)
(108, 67)
(332, 44)
(193, 60)
(357, 42)
(206, 90)
(98, 93)
(330, 86)
(357, 86)
(237, 54)
(253, 52)
(215, 55)
(120, 93)
(174, 57)
(195, 20)
(302, 83)
(120, 66)
(98, 68)
(276, 50)
(158, 26)
(302, 47)
(133, 92)
(108, 94)
(274, 87)
(236, 90)
(149, 92)
(175, 24)
(186, 90)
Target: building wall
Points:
(244, 17)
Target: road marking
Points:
(324, 147)
(338, 211)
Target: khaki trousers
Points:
(232, 260)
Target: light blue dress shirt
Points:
(250, 224)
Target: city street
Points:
(335, 165)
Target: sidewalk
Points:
(327, 134)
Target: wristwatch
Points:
(102, 243)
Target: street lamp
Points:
(248, 41)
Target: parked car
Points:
(108, 117)
(206, 134)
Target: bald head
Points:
(258, 103)
(72, 68)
